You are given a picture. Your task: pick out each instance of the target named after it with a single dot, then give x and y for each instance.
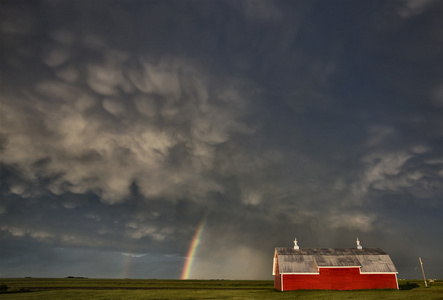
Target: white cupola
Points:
(295, 244)
(358, 244)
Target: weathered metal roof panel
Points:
(337, 261)
(376, 264)
(297, 264)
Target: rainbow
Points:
(127, 266)
(193, 249)
(128, 261)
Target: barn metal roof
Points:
(369, 260)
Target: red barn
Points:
(333, 269)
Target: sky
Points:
(138, 135)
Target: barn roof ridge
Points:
(330, 251)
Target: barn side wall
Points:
(277, 282)
(339, 279)
(277, 277)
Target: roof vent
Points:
(295, 244)
(358, 245)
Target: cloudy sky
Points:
(125, 125)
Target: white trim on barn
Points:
(338, 267)
(300, 273)
(378, 272)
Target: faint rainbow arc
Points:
(127, 266)
(193, 249)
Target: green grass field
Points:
(42, 288)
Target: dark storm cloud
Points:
(123, 125)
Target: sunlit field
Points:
(35, 288)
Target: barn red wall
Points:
(339, 279)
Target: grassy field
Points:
(41, 288)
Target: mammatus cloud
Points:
(415, 169)
(156, 125)
(260, 10)
(411, 8)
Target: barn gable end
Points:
(332, 268)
